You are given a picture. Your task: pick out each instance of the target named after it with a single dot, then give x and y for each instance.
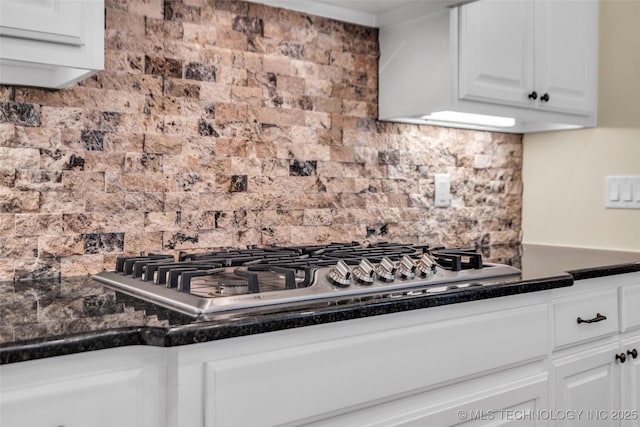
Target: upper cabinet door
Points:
(56, 21)
(50, 43)
(496, 52)
(565, 57)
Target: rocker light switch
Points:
(443, 190)
(625, 191)
(614, 190)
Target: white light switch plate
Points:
(443, 190)
(622, 192)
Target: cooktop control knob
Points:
(386, 270)
(364, 272)
(407, 268)
(427, 265)
(340, 275)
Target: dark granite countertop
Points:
(56, 317)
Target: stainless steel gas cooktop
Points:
(203, 284)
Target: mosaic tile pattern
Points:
(231, 124)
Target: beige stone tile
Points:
(82, 265)
(143, 242)
(7, 224)
(200, 34)
(15, 201)
(20, 158)
(38, 180)
(104, 202)
(7, 134)
(124, 21)
(6, 269)
(82, 182)
(280, 65)
(145, 202)
(229, 113)
(37, 224)
(317, 120)
(161, 221)
(56, 246)
(19, 246)
(232, 76)
(246, 95)
(275, 235)
(163, 144)
(317, 217)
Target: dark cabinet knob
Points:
(621, 357)
(545, 97)
(633, 353)
(533, 95)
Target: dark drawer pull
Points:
(599, 318)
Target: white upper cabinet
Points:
(50, 43)
(531, 62)
(537, 54)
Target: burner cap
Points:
(233, 287)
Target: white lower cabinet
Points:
(587, 387)
(121, 387)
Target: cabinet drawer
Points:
(630, 301)
(590, 309)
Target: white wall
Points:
(563, 172)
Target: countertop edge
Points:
(209, 331)
(610, 270)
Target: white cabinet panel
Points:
(74, 402)
(334, 375)
(566, 62)
(631, 382)
(496, 400)
(629, 312)
(495, 68)
(54, 21)
(50, 43)
(120, 387)
(588, 381)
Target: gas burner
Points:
(203, 284)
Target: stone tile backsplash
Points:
(231, 124)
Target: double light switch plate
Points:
(622, 192)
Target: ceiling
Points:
(368, 6)
(373, 13)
